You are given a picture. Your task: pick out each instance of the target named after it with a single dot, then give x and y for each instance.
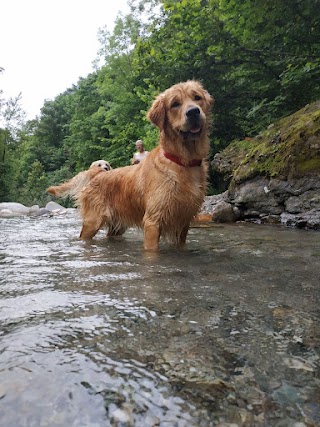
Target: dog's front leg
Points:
(90, 228)
(151, 235)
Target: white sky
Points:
(46, 45)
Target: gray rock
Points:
(211, 201)
(41, 212)
(53, 206)
(15, 208)
(255, 196)
(12, 209)
(223, 212)
(294, 203)
(34, 209)
(309, 220)
(7, 213)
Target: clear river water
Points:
(225, 332)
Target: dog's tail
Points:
(73, 187)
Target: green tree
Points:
(281, 43)
(33, 191)
(88, 138)
(12, 121)
(123, 102)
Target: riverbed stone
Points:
(12, 209)
(53, 206)
(15, 208)
(223, 212)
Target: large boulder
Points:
(287, 150)
(276, 175)
(13, 209)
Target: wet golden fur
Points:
(158, 194)
(73, 186)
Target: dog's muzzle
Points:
(193, 113)
(194, 121)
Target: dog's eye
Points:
(197, 98)
(175, 104)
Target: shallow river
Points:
(223, 333)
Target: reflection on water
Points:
(223, 333)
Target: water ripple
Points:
(223, 332)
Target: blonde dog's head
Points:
(182, 110)
(102, 164)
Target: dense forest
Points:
(260, 59)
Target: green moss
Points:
(287, 149)
(310, 165)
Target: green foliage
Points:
(33, 192)
(4, 168)
(260, 59)
(88, 135)
(11, 120)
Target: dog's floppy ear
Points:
(157, 112)
(209, 99)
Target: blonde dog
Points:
(73, 187)
(166, 190)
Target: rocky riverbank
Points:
(10, 209)
(293, 203)
(274, 177)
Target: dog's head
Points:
(102, 164)
(182, 110)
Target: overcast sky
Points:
(46, 45)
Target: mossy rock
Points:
(288, 149)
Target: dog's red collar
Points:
(175, 159)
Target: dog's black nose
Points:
(193, 112)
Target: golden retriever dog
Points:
(166, 189)
(73, 187)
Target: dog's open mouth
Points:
(194, 131)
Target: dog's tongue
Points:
(195, 130)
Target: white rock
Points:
(53, 206)
(15, 208)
